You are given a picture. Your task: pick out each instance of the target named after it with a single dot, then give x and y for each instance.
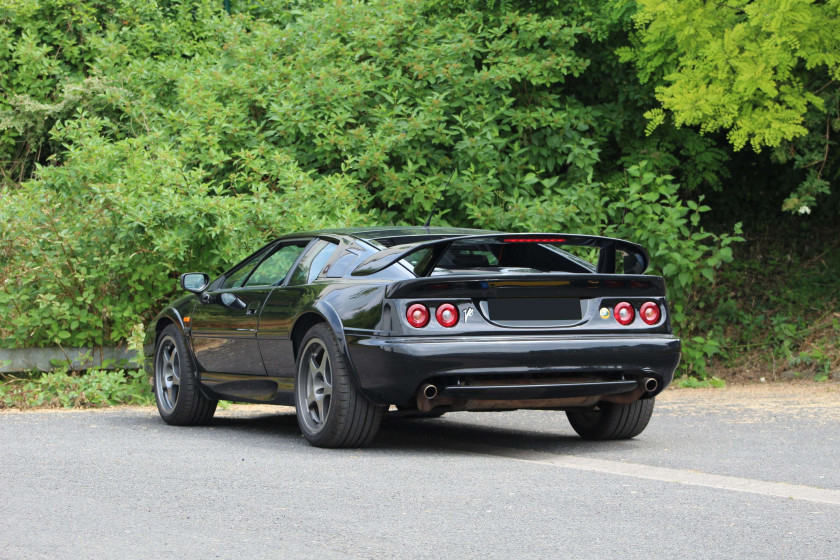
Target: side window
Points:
(312, 263)
(275, 268)
(235, 278)
(342, 265)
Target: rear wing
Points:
(636, 259)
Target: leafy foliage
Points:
(764, 71)
(774, 310)
(58, 389)
(83, 266)
(176, 137)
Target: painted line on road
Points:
(664, 474)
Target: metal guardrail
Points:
(16, 360)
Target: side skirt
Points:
(249, 388)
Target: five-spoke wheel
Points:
(318, 380)
(330, 409)
(179, 399)
(167, 374)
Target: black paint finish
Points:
(244, 339)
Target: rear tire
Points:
(177, 394)
(607, 421)
(331, 411)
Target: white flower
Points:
(804, 210)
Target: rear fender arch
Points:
(324, 312)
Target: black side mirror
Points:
(195, 282)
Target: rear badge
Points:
(605, 313)
(468, 313)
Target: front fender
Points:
(171, 315)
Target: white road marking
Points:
(664, 474)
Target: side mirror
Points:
(195, 282)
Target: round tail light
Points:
(624, 313)
(650, 313)
(447, 315)
(417, 315)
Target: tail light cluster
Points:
(649, 312)
(418, 315)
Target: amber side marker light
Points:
(624, 313)
(417, 315)
(650, 313)
(186, 320)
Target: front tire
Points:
(331, 411)
(607, 421)
(179, 399)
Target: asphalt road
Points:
(735, 473)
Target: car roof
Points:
(394, 235)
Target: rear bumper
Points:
(392, 369)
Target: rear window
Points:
(482, 256)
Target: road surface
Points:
(742, 472)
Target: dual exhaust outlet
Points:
(430, 391)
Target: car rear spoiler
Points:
(636, 259)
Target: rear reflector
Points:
(624, 313)
(418, 315)
(447, 315)
(650, 313)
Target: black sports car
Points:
(343, 324)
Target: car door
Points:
(285, 303)
(224, 323)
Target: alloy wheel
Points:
(168, 374)
(316, 375)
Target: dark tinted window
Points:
(313, 262)
(236, 277)
(342, 265)
(482, 256)
(274, 269)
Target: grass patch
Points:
(95, 388)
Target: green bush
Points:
(94, 389)
(83, 265)
(178, 138)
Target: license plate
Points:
(534, 309)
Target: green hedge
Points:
(171, 136)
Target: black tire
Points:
(331, 411)
(179, 399)
(611, 421)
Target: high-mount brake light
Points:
(650, 313)
(418, 315)
(624, 313)
(534, 240)
(447, 315)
